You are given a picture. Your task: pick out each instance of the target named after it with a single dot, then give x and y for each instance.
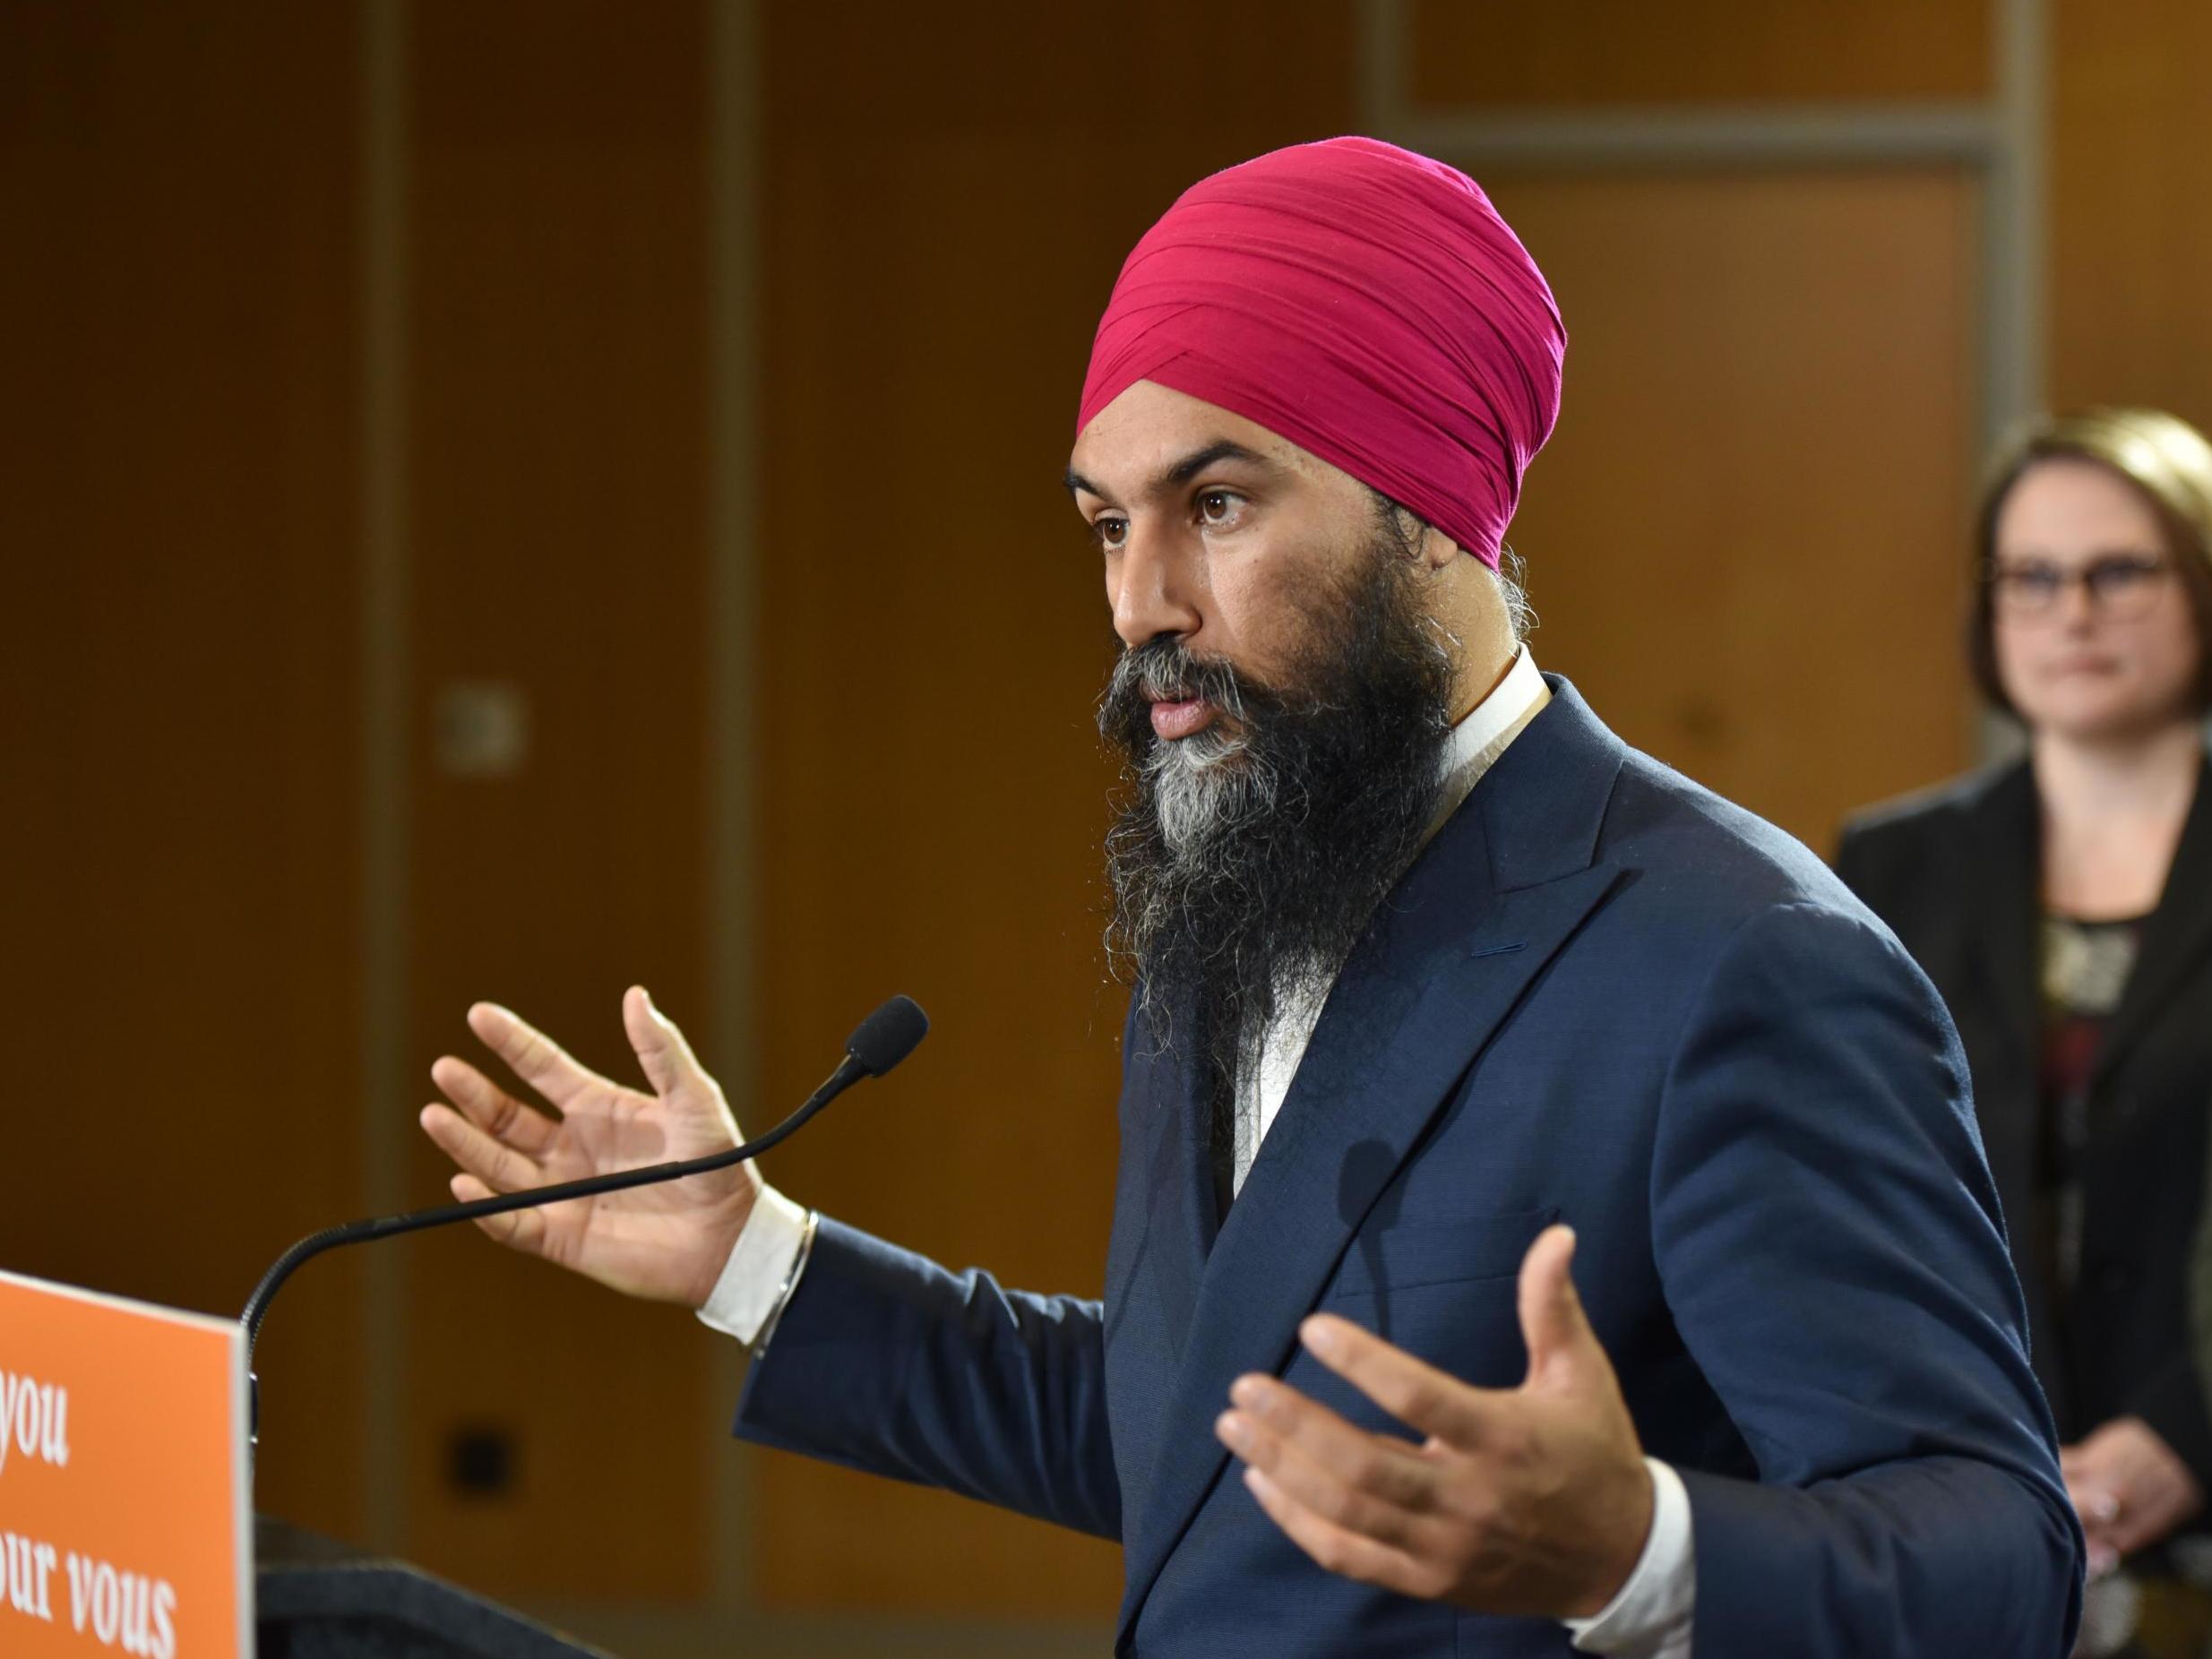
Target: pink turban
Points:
(1366, 304)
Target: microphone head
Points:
(888, 1036)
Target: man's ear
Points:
(1436, 550)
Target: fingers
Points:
(2092, 1487)
(492, 1109)
(1552, 1325)
(480, 1155)
(534, 1057)
(2095, 1505)
(669, 1064)
(521, 1229)
(1416, 1394)
(2139, 1518)
(2125, 1536)
(1372, 1483)
(1337, 1549)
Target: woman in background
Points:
(2063, 906)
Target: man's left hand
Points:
(1533, 1500)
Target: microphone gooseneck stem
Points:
(849, 1071)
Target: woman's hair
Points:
(2170, 465)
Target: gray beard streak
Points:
(1249, 857)
(1208, 791)
(1201, 794)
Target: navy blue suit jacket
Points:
(1605, 996)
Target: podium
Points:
(317, 1599)
(129, 1500)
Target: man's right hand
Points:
(666, 1242)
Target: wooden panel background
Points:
(1745, 543)
(1746, 540)
(557, 409)
(179, 844)
(1492, 56)
(2130, 240)
(181, 894)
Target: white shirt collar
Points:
(1479, 739)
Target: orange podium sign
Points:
(126, 1509)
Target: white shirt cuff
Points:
(1651, 1617)
(761, 1272)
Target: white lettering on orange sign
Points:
(34, 1420)
(27, 1576)
(124, 1609)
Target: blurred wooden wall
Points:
(2132, 205)
(1746, 543)
(556, 367)
(179, 848)
(192, 499)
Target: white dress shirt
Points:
(1651, 1617)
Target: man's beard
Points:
(1247, 859)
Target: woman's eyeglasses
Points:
(2121, 586)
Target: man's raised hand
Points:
(666, 1242)
(1533, 1500)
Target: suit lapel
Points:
(1171, 1237)
(2002, 894)
(1489, 902)
(2176, 938)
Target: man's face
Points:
(1214, 532)
(1282, 703)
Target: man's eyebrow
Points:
(1198, 461)
(1181, 471)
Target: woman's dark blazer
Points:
(1956, 873)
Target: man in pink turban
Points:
(1440, 992)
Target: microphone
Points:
(881, 1042)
